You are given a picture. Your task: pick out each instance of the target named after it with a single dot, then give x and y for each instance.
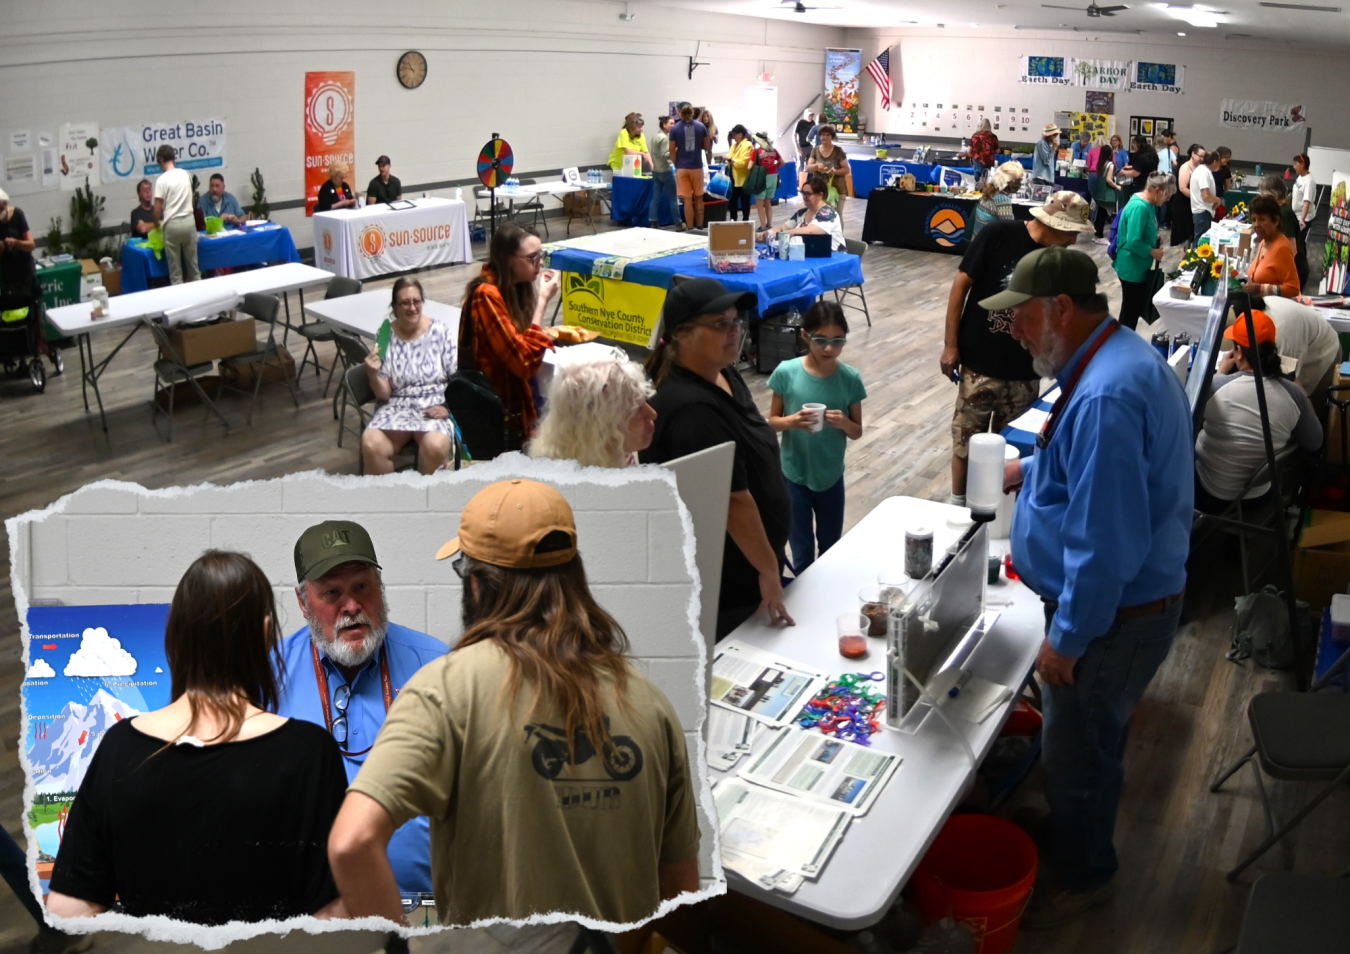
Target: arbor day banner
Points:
(1101, 74)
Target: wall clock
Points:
(412, 69)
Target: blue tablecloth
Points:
(254, 247)
(633, 196)
(1023, 431)
(774, 282)
(869, 174)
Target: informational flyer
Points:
(822, 769)
(760, 684)
(731, 735)
(778, 831)
(766, 874)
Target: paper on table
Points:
(977, 700)
(766, 874)
(821, 769)
(730, 735)
(1032, 420)
(778, 829)
(760, 684)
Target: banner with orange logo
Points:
(377, 240)
(330, 128)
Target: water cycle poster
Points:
(89, 667)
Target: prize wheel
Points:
(494, 163)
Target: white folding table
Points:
(131, 311)
(364, 313)
(880, 850)
(1189, 314)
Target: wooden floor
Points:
(1175, 839)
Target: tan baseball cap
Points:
(505, 522)
(1066, 212)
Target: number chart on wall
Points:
(960, 119)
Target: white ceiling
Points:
(1001, 16)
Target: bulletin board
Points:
(1096, 124)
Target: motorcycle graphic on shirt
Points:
(622, 759)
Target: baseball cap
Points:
(329, 544)
(505, 522)
(700, 296)
(1065, 212)
(1265, 329)
(1045, 273)
(382, 161)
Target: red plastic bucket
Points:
(979, 871)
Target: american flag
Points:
(880, 70)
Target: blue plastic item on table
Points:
(254, 247)
(632, 196)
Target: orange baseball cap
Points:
(1265, 329)
(505, 522)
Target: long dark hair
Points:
(221, 640)
(519, 296)
(824, 313)
(557, 637)
(1265, 355)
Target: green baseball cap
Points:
(329, 544)
(1045, 273)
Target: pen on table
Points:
(961, 681)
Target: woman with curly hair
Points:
(998, 189)
(597, 412)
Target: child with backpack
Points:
(814, 441)
(767, 158)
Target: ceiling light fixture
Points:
(1300, 6)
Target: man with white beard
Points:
(344, 669)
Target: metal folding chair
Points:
(1299, 736)
(264, 308)
(1296, 912)
(534, 208)
(340, 287)
(842, 295)
(170, 371)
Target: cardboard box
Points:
(92, 275)
(208, 342)
(1322, 557)
(241, 375)
(731, 247)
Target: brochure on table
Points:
(813, 766)
(762, 685)
(778, 831)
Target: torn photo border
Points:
(239, 515)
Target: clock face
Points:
(412, 69)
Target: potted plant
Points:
(260, 207)
(54, 246)
(86, 222)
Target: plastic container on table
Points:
(979, 871)
(1340, 618)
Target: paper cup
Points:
(819, 411)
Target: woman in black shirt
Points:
(701, 402)
(212, 809)
(16, 256)
(1143, 163)
(335, 193)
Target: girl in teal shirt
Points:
(813, 459)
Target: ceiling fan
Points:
(797, 6)
(1092, 9)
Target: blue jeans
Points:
(663, 190)
(1083, 744)
(1202, 221)
(827, 509)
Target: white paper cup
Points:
(819, 411)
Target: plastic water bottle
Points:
(1163, 343)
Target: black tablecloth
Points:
(927, 221)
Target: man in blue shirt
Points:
(343, 670)
(220, 203)
(1101, 534)
(1045, 154)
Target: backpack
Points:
(478, 414)
(1261, 630)
(1111, 244)
(769, 159)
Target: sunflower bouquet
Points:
(1238, 211)
(1202, 254)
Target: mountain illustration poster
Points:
(89, 667)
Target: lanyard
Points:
(1066, 392)
(321, 677)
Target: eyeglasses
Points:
(722, 326)
(410, 303)
(806, 193)
(534, 258)
(821, 342)
(341, 696)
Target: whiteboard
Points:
(1323, 162)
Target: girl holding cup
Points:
(817, 405)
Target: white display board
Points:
(1324, 161)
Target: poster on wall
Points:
(21, 173)
(1262, 114)
(1096, 102)
(1101, 74)
(1336, 259)
(1094, 124)
(1044, 70)
(330, 128)
(841, 88)
(78, 160)
(1157, 78)
(127, 153)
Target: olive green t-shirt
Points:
(515, 829)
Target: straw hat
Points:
(1050, 130)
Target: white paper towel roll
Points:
(984, 478)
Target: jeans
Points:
(827, 508)
(1133, 302)
(738, 201)
(180, 248)
(1201, 221)
(1105, 214)
(1083, 744)
(663, 191)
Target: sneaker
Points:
(1102, 241)
(1054, 907)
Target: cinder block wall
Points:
(119, 543)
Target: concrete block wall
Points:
(113, 543)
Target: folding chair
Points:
(355, 390)
(351, 351)
(1286, 912)
(842, 295)
(170, 371)
(264, 308)
(535, 208)
(340, 287)
(1300, 736)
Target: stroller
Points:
(22, 341)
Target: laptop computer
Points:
(818, 246)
